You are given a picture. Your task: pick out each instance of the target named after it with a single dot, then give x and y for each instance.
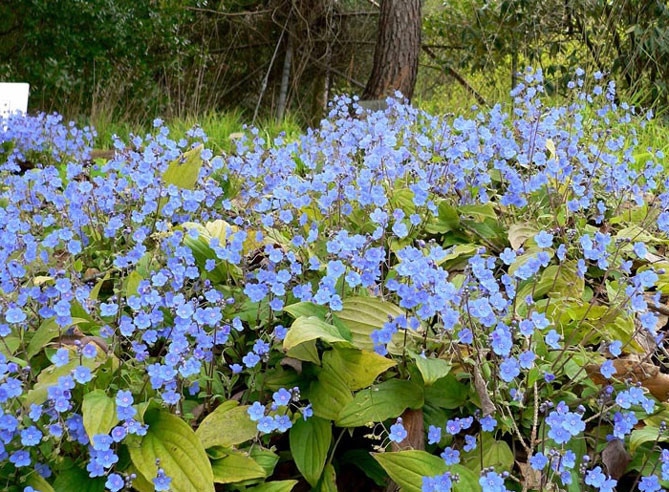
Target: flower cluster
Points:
(517, 253)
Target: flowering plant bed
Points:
(468, 303)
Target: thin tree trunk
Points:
(397, 50)
(285, 79)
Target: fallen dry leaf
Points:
(631, 367)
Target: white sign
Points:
(13, 97)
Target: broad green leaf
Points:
(363, 315)
(181, 455)
(407, 469)
(447, 393)
(132, 283)
(49, 376)
(184, 171)
(11, 343)
(431, 368)
(37, 482)
(98, 286)
(479, 211)
(306, 351)
(277, 486)
(328, 481)
(496, 454)
(99, 412)
(446, 220)
(458, 253)
(265, 458)
(236, 468)
(300, 309)
(644, 435)
(309, 328)
(380, 402)
(226, 426)
(359, 368)
(46, 332)
(329, 393)
(309, 444)
(75, 479)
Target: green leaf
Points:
(99, 412)
(226, 426)
(644, 435)
(300, 309)
(432, 369)
(49, 376)
(359, 368)
(309, 444)
(184, 171)
(328, 482)
(381, 402)
(236, 468)
(277, 486)
(446, 220)
(329, 393)
(479, 212)
(46, 332)
(76, 479)
(37, 482)
(181, 455)
(309, 328)
(132, 283)
(306, 351)
(447, 393)
(363, 315)
(496, 454)
(407, 469)
(265, 458)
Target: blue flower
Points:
(544, 239)
(538, 461)
(509, 369)
(492, 482)
(649, 484)
(607, 369)
(397, 431)
(488, 423)
(61, 357)
(451, 456)
(433, 434)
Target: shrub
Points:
(495, 281)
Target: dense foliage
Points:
(297, 310)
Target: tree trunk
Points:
(397, 50)
(285, 80)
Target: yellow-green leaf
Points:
(236, 468)
(181, 455)
(363, 315)
(226, 426)
(277, 486)
(431, 368)
(99, 413)
(329, 393)
(407, 469)
(359, 368)
(46, 332)
(184, 171)
(309, 328)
